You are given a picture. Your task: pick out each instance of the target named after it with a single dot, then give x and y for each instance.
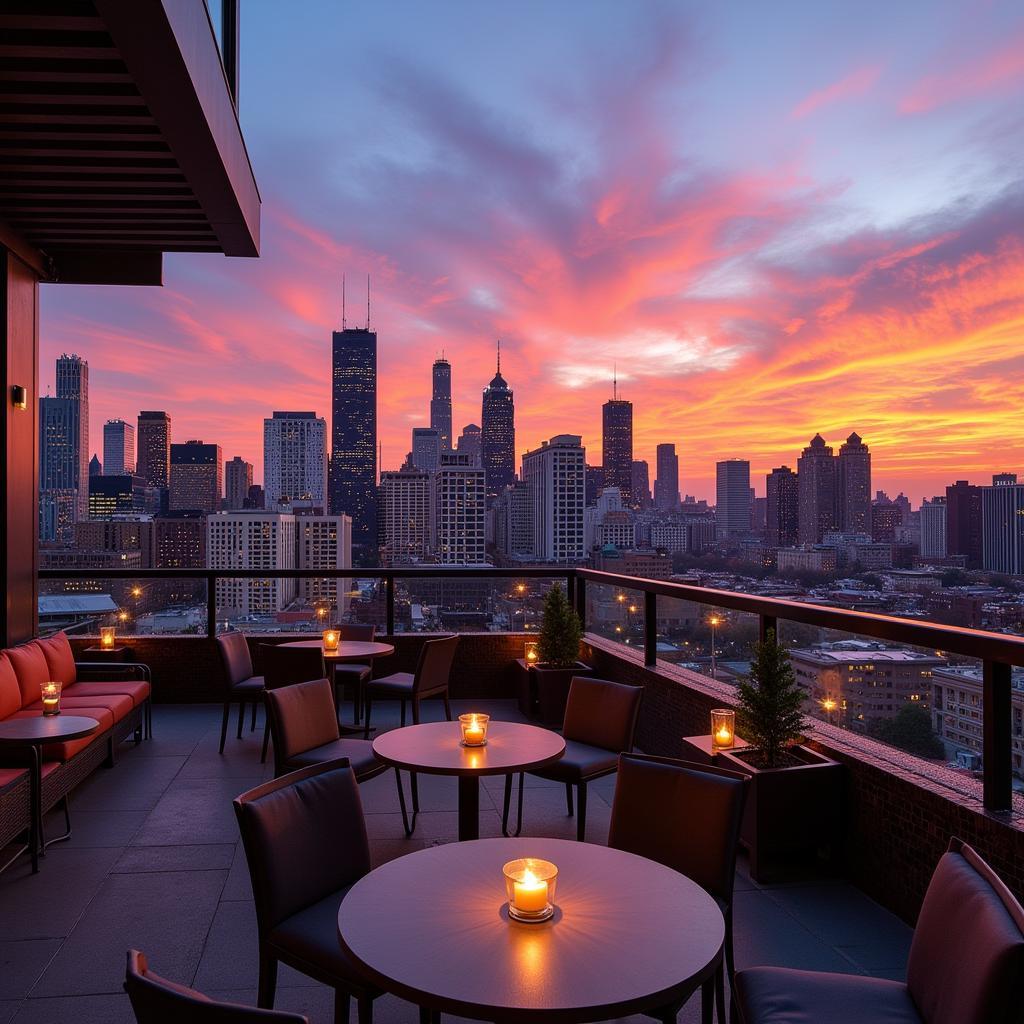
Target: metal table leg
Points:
(469, 807)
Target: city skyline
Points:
(768, 244)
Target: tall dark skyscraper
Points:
(964, 522)
(594, 484)
(498, 434)
(640, 484)
(441, 402)
(781, 515)
(73, 384)
(353, 465)
(816, 482)
(617, 444)
(853, 486)
(197, 477)
(666, 484)
(153, 448)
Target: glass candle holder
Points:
(107, 637)
(50, 693)
(331, 639)
(531, 652)
(723, 729)
(474, 729)
(530, 888)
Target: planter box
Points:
(551, 687)
(791, 824)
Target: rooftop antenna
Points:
(344, 323)
(499, 357)
(367, 301)
(615, 382)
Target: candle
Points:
(531, 894)
(530, 888)
(107, 638)
(531, 652)
(331, 639)
(474, 729)
(50, 693)
(723, 729)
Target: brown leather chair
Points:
(966, 963)
(687, 817)
(304, 726)
(286, 666)
(354, 674)
(305, 842)
(243, 686)
(429, 680)
(600, 722)
(156, 1000)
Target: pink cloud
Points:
(856, 83)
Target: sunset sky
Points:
(775, 218)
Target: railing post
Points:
(389, 605)
(650, 628)
(997, 767)
(581, 601)
(768, 624)
(211, 605)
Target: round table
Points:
(349, 652)
(628, 936)
(33, 733)
(435, 748)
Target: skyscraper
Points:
(426, 449)
(237, 481)
(816, 482)
(441, 402)
(469, 442)
(404, 515)
(73, 384)
(196, 476)
(118, 448)
(458, 510)
(732, 505)
(963, 522)
(250, 540)
(640, 484)
(933, 528)
(853, 486)
(781, 517)
(617, 443)
(353, 468)
(666, 484)
(95, 466)
(1002, 509)
(295, 459)
(498, 434)
(595, 484)
(154, 448)
(59, 468)
(555, 477)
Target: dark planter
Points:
(551, 686)
(791, 825)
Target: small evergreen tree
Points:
(770, 715)
(560, 631)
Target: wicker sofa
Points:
(118, 696)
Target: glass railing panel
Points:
(715, 642)
(616, 613)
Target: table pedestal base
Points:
(469, 807)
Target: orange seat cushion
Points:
(10, 691)
(60, 659)
(31, 669)
(66, 750)
(137, 689)
(118, 704)
(10, 775)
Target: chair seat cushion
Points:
(580, 761)
(138, 689)
(351, 673)
(778, 995)
(395, 686)
(118, 704)
(253, 685)
(359, 752)
(311, 935)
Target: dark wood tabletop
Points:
(435, 748)
(348, 650)
(628, 934)
(46, 728)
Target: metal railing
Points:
(997, 652)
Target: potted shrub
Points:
(560, 636)
(792, 813)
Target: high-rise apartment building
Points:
(295, 459)
(732, 503)
(853, 486)
(963, 522)
(498, 434)
(594, 483)
(250, 540)
(441, 401)
(237, 481)
(458, 503)
(111, 495)
(617, 444)
(469, 442)
(426, 449)
(933, 528)
(353, 467)
(179, 540)
(324, 542)
(816, 482)
(1002, 510)
(154, 448)
(513, 522)
(555, 474)
(781, 513)
(640, 484)
(73, 384)
(404, 515)
(666, 483)
(196, 477)
(60, 465)
(118, 448)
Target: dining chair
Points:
(156, 1000)
(355, 675)
(966, 963)
(600, 722)
(304, 727)
(285, 666)
(243, 686)
(687, 817)
(305, 843)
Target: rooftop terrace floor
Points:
(155, 863)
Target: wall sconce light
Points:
(19, 397)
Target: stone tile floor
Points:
(155, 863)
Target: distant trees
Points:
(910, 729)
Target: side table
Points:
(699, 749)
(119, 653)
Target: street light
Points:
(828, 705)
(715, 621)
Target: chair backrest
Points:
(234, 653)
(434, 667)
(304, 838)
(285, 666)
(601, 713)
(966, 963)
(683, 815)
(357, 631)
(156, 1000)
(301, 717)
